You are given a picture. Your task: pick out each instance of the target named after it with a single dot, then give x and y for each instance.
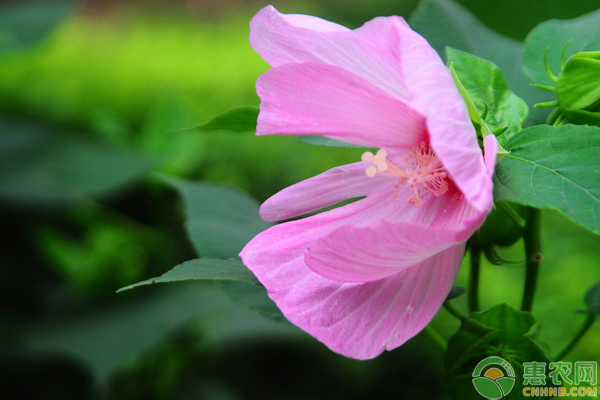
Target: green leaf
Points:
(324, 141)
(238, 119)
(201, 269)
(554, 167)
(578, 35)
(501, 331)
(220, 220)
(37, 165)
(455, 292)
(24, 24)
(445, 23)
(489, 92)
(181, 152)
(592, 299)
(474, 113)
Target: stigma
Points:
(421, 169)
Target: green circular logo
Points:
(493, 377)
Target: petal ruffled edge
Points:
(369, 51)
(305, 21)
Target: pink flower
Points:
(367, 276)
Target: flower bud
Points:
(578, 89)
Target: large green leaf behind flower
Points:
(220, 220)
(554, 167)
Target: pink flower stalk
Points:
(367, 276)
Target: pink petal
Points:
(283, 242)
(358, 320)
(370, 51)
(382, 249)
(367, 248)
(434, 94)
(330, 101)
(330, 187)
(288, 240)
(371, 238)
(387, 53)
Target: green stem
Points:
(436, 338)
(531, 237)
(582, 331)
(450, 308)
(473, 295)
(512, 213)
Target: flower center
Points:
(421, 169)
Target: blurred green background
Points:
(95, 97)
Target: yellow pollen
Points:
(421, 169)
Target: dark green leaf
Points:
(238, 119)
(41, 166)
(446, 23)
(579, 34)
(220, 220)
(516, 18)
(24, 24)
(501, 331)
(592, 299)
(554, 167)
(254, 297)
(455, 292)
(595, 309)
(202, 269)
(489, 91)
(108, 337)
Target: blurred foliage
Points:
(16, 30)
(89, 115)
(515, 19)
